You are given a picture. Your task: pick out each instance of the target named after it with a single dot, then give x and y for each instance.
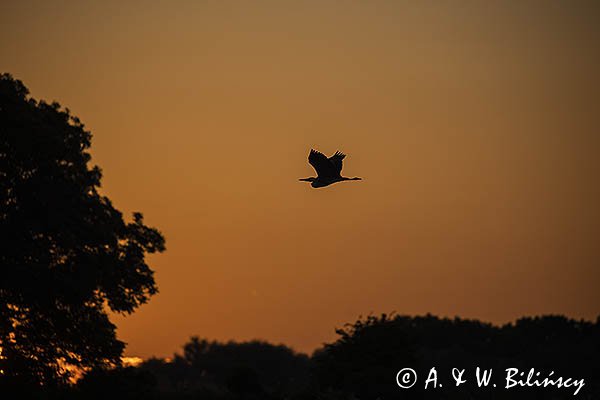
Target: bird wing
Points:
(336, 161)
(321, 164)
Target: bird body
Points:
(329, 170)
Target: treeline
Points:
(364, 361)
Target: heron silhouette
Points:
(328, 169)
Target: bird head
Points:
(311, 179)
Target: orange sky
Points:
(475, 126)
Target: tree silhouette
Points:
(363, 362)
(239, 370)
(66, 253)
(120, 383)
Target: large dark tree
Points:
(66, 254)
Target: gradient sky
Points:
(475, 125)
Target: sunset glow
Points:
(473, 125)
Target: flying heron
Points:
(328, 169)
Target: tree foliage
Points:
(66, 253)
(363, 362)
(250, 370)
